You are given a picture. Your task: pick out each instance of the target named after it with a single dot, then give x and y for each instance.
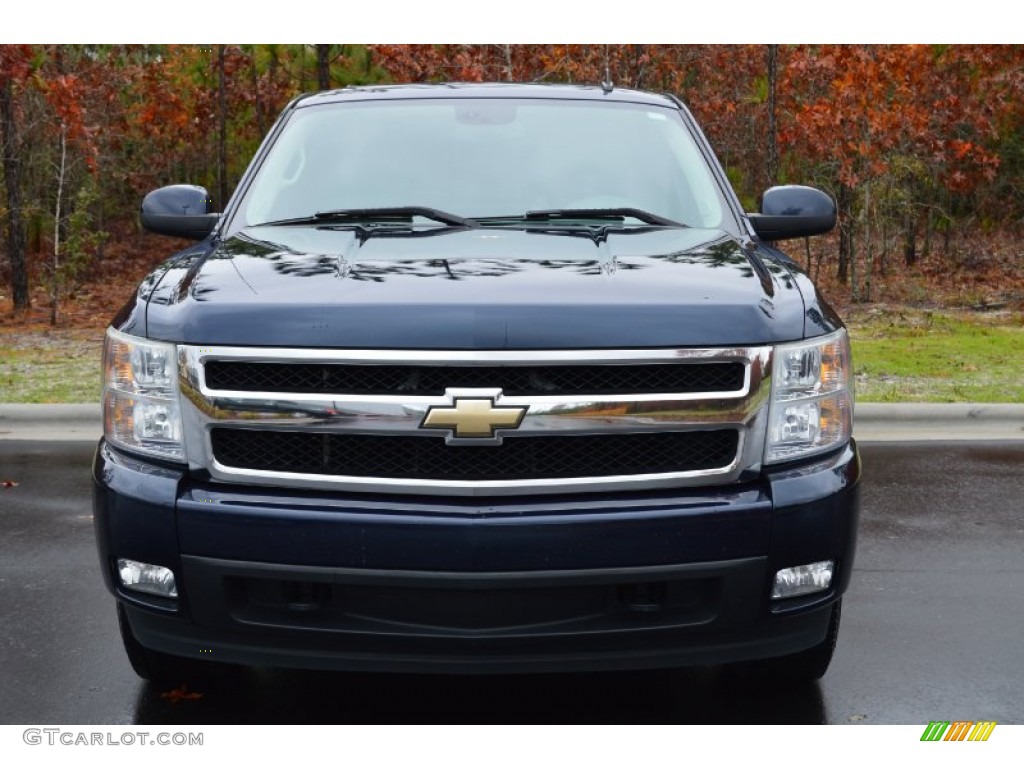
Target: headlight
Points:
(140, 396)
(812, 401)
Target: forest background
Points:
(922, 146)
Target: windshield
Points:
(485, 158)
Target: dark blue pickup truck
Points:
(479, 378)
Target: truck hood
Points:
(489, 288)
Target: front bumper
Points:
(555, 583)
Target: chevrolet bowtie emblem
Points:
(473, 417)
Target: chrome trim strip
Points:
(478, 487)
(744, 410)
(467, 357)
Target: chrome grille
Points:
(332, 378)
(523, 458)
(648, 418)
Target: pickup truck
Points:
(473, 379)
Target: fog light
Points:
(803, 579)
(143, 577)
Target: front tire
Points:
(163, 668)
(797, 668)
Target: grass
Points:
(922, 356)
(49, 368)
(900, 355)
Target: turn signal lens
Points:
(812, 400)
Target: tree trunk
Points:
(57, 226)
(15, 220)
(929, 228)
(222, 139)
(869, 252)
(854, 285)
(272, 68)
(255, 81)
(772, 150)
(909, 240)
(844, 204)
(323, 67)
(883, 256)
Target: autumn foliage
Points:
(922, 146)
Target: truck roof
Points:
(554, 91)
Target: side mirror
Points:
(180, 210)
(793, 211)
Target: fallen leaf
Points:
(9, 484)
(180, 694)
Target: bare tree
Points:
(222, 138)
(15, 214)
(57, 219)
(323, 67)
(772, 153)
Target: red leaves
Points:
(961, 149)
(8, 484)
(64, 92)
(862, 107)
(180, 694)
(16, 62)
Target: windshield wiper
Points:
(397, 212)
(401, 213)
(618, 214)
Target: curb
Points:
(883, 422)
(982, 412)
(25, 421)
(874, 422)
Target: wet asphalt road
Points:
(933, 625)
